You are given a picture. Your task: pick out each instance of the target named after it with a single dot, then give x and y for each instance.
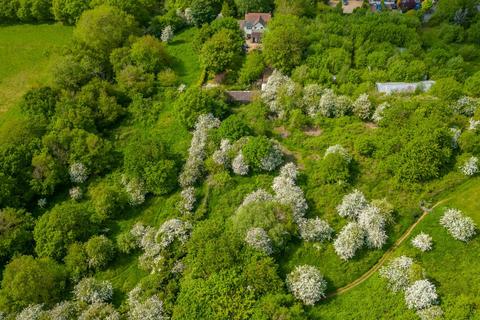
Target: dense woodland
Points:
(129, 189)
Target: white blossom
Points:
(307, 284)
(178, 267)
(182, 87)
(32, 312)
(188, 200)
(167, 34)
(91, 290)
(65, 310)
(430, 313)
(339, 150)
(289, 171)
(100, 310)
(221, 155)
(258, 239)
(420, 295)
(423, 242)
(42, 202)
(466, 106)
(326, 106)
(286, 192)
(239, 166)
(470, 167)
(193, 168)
(459, 226)
(379, 111)
(349, 240)
(315, 230)
(150, 309)
(473, 124)
(272, 160)
(362, 107)
(352, 204)
(259, 195)
(135, 189)
(75, 193)
(455, 136)
(373, 223)
(397, 273)
(188, 16)
(171, 230)
(78, 172)
(271, 90)
(312, 94)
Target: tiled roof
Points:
(256, 17)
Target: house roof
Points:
(240, 96)
(253, 18)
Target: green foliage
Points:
(284, 43)
(76, 261)
(472, 85)
(60, 227)
(233, 128)
(256, 149)
(39, 104)
(149, 54)
(246, 6)
(148, 159)
(108, 199)
(222, 51)
(252, 68)
(99, 251)
(447, 89)
(205, 11)
(69, 11)
(27, 280)
(104, 28)
(469, 142)
(197, 101)
(334, 168)
(16, 228)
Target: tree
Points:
(151, 308)
(233, 128)
(76, 261)
(107, 199)
(447, 89)
(149, 54)
(148, 159)
(100, 311)
(460, 227)
(100, 251)
(307, 284)
(91, 291)
(60, 227)
(69, 11)
(27, 280)
(472, 85)
(222, 51)
(284, 43)
(246, 6)
(362, 107)
(332, 169)
(205, 11)
(104, 28)
(262, 154)
(398, 273)
(349, 240)
(252, 68)
(420, 295)
(315, 230)
(258, 239)
(423, 242)
(16, 228)
(352, 204)
(167, 34)
(39, 104)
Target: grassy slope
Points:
(452, 265)
(27, 53)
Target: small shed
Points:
(404, 87)
(240, 96)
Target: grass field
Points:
(27, 53)
(452, 265)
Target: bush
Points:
(92, 291)
(261, 153)
(472, 85)
(100, 251)
(16, 236)
(334, 168)
(252, 68)
(233, 128)
(307, 284)
(447, 89)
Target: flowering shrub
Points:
(465, 106)
(258, 239)
(78, 172)
(373, 223)
(397, 273)
(150, 309)
(32, 312)
(91, 290)
(272, 160)
(65, 310)
(379, 111)
(362, 107)
(75, 193)
(470, 167)
(173, 229)
(460, 227)
(167, 34)
(423, 242)
(456, 133)
(315, 230)
(349, 240)
(135, 189)
(473, 124)
(101, 310)
(286, 192)
(312, 95)
(420, 295)
(352, 204)
(307, 284)
(430, 313)
(239, 166)
(188, 200)
(196, 153)
(270, 94)
(221, 155)
(259, 195)
(338, 149)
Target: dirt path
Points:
(384, 258)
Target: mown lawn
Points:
(452, 265)
(27, 53)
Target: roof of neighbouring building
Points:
(241, 96)
(392, 87)
(253, 18)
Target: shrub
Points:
(470, 167)
(233, 128)
(16, 236)
(93, 291)
(398, 273)
(252, 68)
(349, 240)
(362, 107)
(307, 284)
(100, 311)
(460, 227)
(352, 204)
(262, 154)
(258, 239)
(420, 295)
(423, 242)
(100, 251)
(315, 230)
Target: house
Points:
(254, 25)
(240, 96)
